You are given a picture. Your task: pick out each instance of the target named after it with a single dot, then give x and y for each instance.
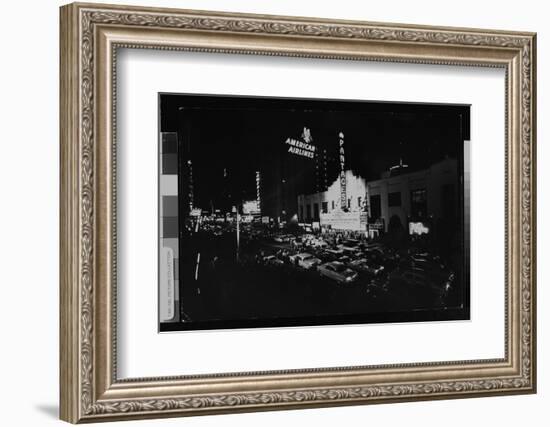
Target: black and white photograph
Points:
(294, 212)
(249, 208)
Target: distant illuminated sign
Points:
(343, 190)
(258, 195)
(302, 148)
(418, 228)
(306, 135)
(251, 207)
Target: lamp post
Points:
(238, 220)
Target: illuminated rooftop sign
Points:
(302, 148)
(343, 190)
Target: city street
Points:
(265, 282)
(310, 212)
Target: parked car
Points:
(351, 251)
(282, 238)
(334, 253)
(430, 265)
(344, 259)
(366, 266)
(297, 242)
(419, 279)
(442, 276)
(272, 260)
(351, 242)
(318, 243)
(322, 255)
(338, 272)
(305, 260)
(427, 257)
(366, 246)
(378, 256)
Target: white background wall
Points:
(29, 170)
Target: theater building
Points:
(326, 207)
(418, 201)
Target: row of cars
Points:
(351, 261)
(341, 269)
(424, 271)
(304, 241)
(335, 270)
(344, 262)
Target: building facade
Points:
(326, 207)
(427, 196)
(403, 198)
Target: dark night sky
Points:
(248, 134)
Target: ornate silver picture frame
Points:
(91, 35)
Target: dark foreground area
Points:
(278, 278)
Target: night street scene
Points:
(293, 212)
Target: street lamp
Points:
(236, 209)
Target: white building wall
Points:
(432, 180)
(355, 188)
